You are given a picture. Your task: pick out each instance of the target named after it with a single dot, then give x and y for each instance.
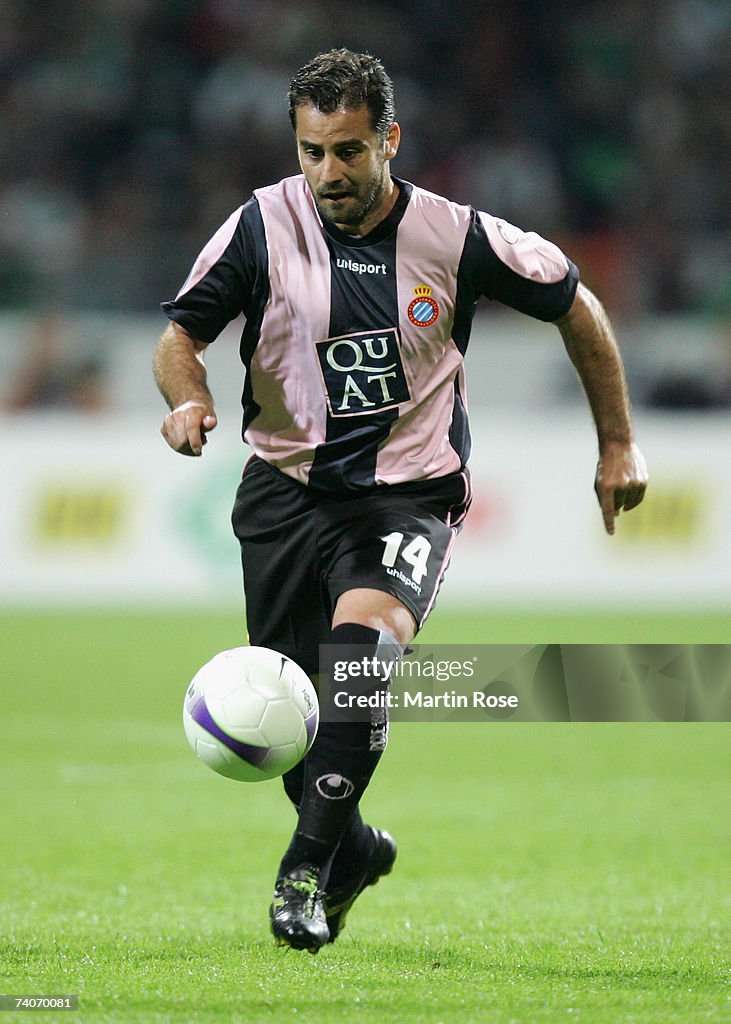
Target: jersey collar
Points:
(382, 230)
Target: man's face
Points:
(346, 164)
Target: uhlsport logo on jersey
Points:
(423, 311)
(363, 372)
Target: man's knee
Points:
(378, 610)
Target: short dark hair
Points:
(341, 78)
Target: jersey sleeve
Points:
(224, 277)
(518, 268)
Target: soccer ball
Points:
(250, 714)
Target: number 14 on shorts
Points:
(415, 554)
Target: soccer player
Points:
(359, 290)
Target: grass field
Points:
(547, 872)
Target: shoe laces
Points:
(308, 886)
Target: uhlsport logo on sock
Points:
(334, 787)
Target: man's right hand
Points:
(621, 480)
(185, 428)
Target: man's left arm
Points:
(621, 476)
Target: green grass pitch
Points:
(547, 872)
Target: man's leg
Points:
(383, 557)
(337, 771)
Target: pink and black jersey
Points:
(354, 346)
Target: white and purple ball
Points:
(251, 714)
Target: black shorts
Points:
(300, 552)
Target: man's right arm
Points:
(180, 374)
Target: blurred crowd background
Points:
(129, 129)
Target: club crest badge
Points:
(423, 311)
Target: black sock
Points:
(340, 764)
(304, 849)
(355, 847)
(293, 781)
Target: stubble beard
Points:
(356, 216)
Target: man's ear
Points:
(391, 142)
